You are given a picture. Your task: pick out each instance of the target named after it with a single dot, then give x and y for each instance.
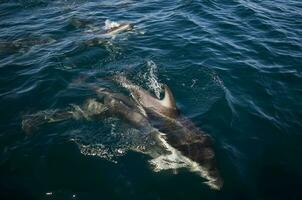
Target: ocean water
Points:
(234, 66)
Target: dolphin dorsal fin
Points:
(168, 100)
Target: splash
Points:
(110, 24)
(151, 78)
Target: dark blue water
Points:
(235, 68)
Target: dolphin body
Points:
(178, 133)
(113, 28)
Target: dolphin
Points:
(113, 28)
(179, 134)
(110, 30)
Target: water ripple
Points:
(234, 68)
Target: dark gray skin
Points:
(180, 132)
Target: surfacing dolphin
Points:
(110, 30)
(113, 28)
(178, 132)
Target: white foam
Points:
(110, 24)
(176, 160)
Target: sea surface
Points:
(234, 66)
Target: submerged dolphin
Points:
(23, 44)
(108, 104)
(179, 133)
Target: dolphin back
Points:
(179, 132)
